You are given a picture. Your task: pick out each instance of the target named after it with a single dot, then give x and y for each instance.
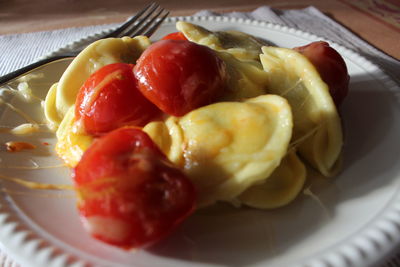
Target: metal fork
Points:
(145, 22)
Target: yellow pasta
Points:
(249, 139)
(250, 145)
(291, 75)
(98, 54)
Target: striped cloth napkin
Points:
(17, 50)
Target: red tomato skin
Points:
(110, 99)
(179, 76)
(175, 36)
(123, 176)
(331, 66)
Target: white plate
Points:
(354, 222)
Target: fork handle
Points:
(24, 70)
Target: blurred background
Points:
(377, 21)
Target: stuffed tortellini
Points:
(317, 127)
(100, 53)
(241, 45)
(249, 139)
(280, 188)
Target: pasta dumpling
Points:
(241, 45)
(283, 71)
(240, 52)
(245, 79)
(317, 127)
(71, 144)
(249, 139)
(280, 188)
(96, 55)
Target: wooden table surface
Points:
(381, 27)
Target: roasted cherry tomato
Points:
(179, 76)
(174, 36)
(110, 99)
(330, 66)
(129, 194)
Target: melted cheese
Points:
(25, 129)
(71, 145)
(291, 75)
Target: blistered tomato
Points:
(110, 99)
(330, 66)
(174, 36)
(129, 194)
(179, 76)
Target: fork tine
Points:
(134, 26)
(128, 23)
(140, 30)
(134, 29)
(129, 28)
(150, 31)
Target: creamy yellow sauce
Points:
(24, 92)
(36, 185)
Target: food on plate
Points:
(17, 146)
(179, 76)
(246, 79)
(114, 50)
(241, 45)
(200, 116)
(109, 99)
(174, 36)
(129, 194)
(316, 121)
(330, 66)
(238, 144)
(281, 187)
(71, 144)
